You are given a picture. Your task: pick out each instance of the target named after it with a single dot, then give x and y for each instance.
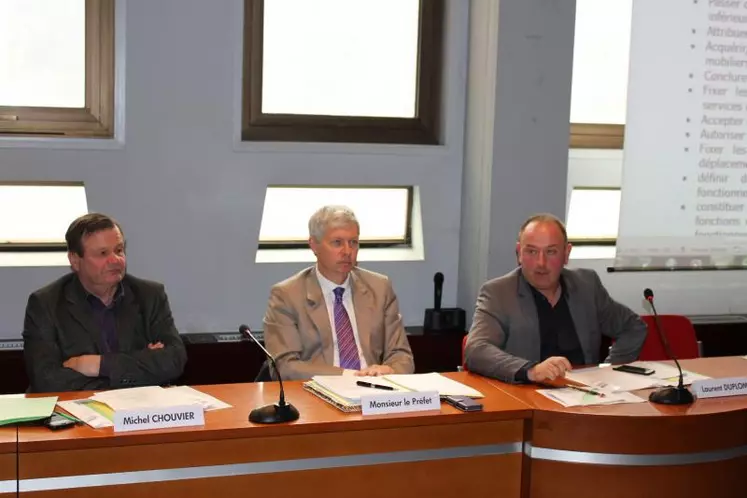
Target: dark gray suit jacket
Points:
(505, 331)
(59, 325)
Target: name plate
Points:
(715, 388)
(400, 402)
(158, 418)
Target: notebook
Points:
(16, 408)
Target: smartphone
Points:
(57, 421)
(634, 370)
(464, 403)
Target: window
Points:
(342, 70)
(41, 215)
(384, 214)
(600, 73)
(593, 216)
(57, 68)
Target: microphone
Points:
(438, 319)
(281, 411)
(679, 395)
(438, 287)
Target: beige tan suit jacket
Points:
(298, 334)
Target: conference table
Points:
(8, 453)
(325, 453)
(639, 449)
(521, 445)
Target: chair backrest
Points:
(680, 333)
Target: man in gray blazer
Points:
(335, 318)
(97, 327)
(539, 320)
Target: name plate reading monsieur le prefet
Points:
(714, 388)
(400, 402)
(158, 418)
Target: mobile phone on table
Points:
(57, 421)
(464, 403)
(634, 370)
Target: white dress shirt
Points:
(328, 291)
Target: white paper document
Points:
(607, 379)
(193, 396)
(434, 381)
(135, 397)
(611, 380)
(155, 396)
(346, 387)
(668, 374)
(98, 410)
(96, 415)
(573, 397)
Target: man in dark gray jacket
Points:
(538, 321)
(97, 327)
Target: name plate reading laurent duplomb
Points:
(400, 402)
(715, 388)
(158, 418)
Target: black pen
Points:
(571, 386)
(375, 386)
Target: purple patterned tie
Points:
(345, 339)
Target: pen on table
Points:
(587, 390)
(375, 386)
(571, 386)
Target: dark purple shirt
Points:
(105, 318)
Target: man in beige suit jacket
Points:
(335, 318)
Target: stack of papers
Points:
(616, 385)
(668, 375)
(573, 397)
(15, 408)
(98, 410)
(433, 382)
(343, 392)
(609, 380)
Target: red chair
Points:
(680, 333)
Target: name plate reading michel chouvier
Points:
(400, 402)
(714, 388)
(158, 418)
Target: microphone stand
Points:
(679, 395)
(279, 412)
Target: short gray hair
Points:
(328, 217)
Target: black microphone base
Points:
(274, 414)
(672, 396)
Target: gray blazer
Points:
(505, 331)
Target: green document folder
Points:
(19, 409)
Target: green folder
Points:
(19, 409)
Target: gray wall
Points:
(190, 197)
(516, 162)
